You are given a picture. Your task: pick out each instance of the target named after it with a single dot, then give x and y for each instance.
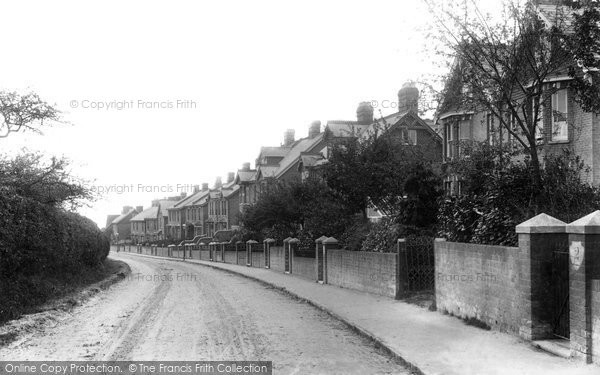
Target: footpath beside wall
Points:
(480, 281)
(363, 271)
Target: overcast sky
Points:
(242, 71)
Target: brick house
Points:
(144, 225)
(246, 180)
(223, 206)
(121, 226)
(562, 124)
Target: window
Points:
(449, 140)
(491, 129)
(560, 130)
(412, 137)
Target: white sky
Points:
(253, 68)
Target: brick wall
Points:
(258, 259)
(480, 281)
(596, 320)
(242, 255)
(230, 257)
(204, 255)
(364, 271)
(304, 267)
(277, 259)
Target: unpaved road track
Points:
(170, 310)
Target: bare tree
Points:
(24, 113)
(502, 65)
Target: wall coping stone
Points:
(321, 239)
(269, 240)
(542, 223)
(251, 241)
(330, 240)
(589, 224)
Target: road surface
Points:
(171, 310)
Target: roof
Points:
(164, 205)
(123, 216)
(267, 170)
(311, 160)
(395, 118)
(274, 151)
(245, 176)
(552, 14)
(230, 191)
(110, 218)
(303, 145)
(345, 128)
(149, 213)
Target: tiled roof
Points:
(245, 176)
(303, 145)
(267, 170)
(345, 128)
(110, 219)
(164, 205)
(199, 198)
(230, 191)
(556, 14)
(123, 216)
(274, 151)
(149, 213)
(311, 160)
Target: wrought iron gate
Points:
(560, 283)
(420, 263)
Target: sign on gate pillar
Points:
(249, 245)
(267, 243)
(584, 273)
(286, 255)
(542, 241)
(293, 244)
(319, 258)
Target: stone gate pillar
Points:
(286, 261)
(238, 245)
(293, 244)
(319, 262)
(584, 275)
(540, 238)
(267, 243)
(328, 244)
(249, 245)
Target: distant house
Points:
(246, 180)
(121, 226)
(223, 207)
(144, 225)
(163, 217)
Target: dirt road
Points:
(169, 310)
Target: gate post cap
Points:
(589, 224)
(321, 239)
(251, 241)
(542, 223)
(212, 243)
(239, 242)
(437, 239)
(330, 240)
(294, 240)
(268, 240)
(287, 240)
(401, 240)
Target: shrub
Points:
(382, 237)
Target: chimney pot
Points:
(314, 129)
(408, 98)
(205, 186)
(196, 188)
(139, 208)
(364, 113)
(218, 183)
(126, 209)
(246, 167)
(288, 137)
(230, 177)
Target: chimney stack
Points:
(155, 203)
(408, 98)
(246, 167)
(196, 188)
(364, 113)
(205, 186)
(126, 209)
(230, 177)
(139, 208)
(314, 129)
(288, 137)
(183, 194)
(218, 183)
